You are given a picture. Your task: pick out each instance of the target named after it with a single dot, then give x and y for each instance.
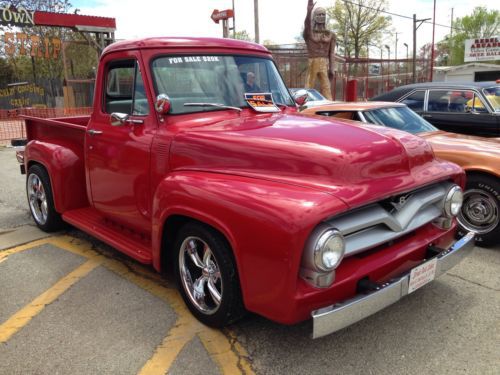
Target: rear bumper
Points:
(340, 315)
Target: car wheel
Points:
(481, 209)
(41, 202)
(206, 275)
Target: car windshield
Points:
(401, 118)
(493, 96)
(213, 79)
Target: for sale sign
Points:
(483, 49)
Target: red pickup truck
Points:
(185, 164)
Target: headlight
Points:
(453, 201)
(329, 250)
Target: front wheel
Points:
(481, 209)
(206, 275)
(40, 200)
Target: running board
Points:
(129, 242)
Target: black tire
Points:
(230, 307)
(484, 191)
(48, 219)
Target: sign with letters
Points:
(482, 49)
(17, 17)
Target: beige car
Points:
(479, 157)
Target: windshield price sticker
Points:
(261, 102)
(192, 59)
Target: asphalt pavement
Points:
(71, 304)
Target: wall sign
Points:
(12, 44)
(484, 49)
(17, 17)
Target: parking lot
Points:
(71, 304)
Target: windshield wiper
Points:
(218, 105)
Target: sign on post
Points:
(483, 49)
(221, 15)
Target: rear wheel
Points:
(481, 209)
(206, 275)
(41, 202)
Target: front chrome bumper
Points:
(335, 317)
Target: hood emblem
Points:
(399, 202)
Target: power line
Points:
(399, 15)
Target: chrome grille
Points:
(377, 223)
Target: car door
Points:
(118, 156)
(460, 111)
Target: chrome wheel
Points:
(479, 211)
(200, 275)
(37, 199)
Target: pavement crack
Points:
(233, 341)
(472, 282)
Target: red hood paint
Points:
(355, 164)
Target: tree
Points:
(6, 73)
(482, 23)
(358, 25)
(242, 35)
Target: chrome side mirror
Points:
(300, 97)
(118, 119)
(162, 104)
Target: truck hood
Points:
(356, 164)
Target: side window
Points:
(415, 101)
(125, 89)
(439, 101)
(459, 99)
(476, 104)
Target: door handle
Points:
(94, 132)
(427, 116)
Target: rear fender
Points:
(66, 171)
(266, 223)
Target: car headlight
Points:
(329, 250)
(453, 201)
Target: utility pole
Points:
(415, 28)
(450, 47)
(234, 22)
(396, 47)
(256, 18)
(433, 32)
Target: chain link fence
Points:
(374, 76)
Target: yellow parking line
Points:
(219, 348)
(165, 354)
(4, 254)
(17, 321)
(228, 354)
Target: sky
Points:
(280, 20)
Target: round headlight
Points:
(329, 250)
(453, 201)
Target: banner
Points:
(485, 49)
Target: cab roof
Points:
(188, 43)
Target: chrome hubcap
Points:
(37, 199)
(200, 275)
(479, 211)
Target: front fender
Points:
(66, 171)
(266, 224)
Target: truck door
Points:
(118, 153)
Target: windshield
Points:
(401, 118)
(493, 96)
(216, 79)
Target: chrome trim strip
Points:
(335, 317)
